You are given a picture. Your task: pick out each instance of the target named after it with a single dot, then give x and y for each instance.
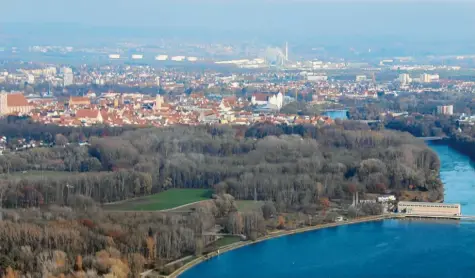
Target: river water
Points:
(457, 172)
(386, 249)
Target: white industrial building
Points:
(317, 78)
(161, 57)
(178, 58)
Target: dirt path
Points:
(162, 210)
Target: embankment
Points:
(237, 245)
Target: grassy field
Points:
(245, 206)
(226, 241)
(220, 243)
(165, 200)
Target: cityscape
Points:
(186, 139)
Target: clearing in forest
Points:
(169, 199)
(246, 206)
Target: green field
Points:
(165, 200)
(226, 240)
(222, 242)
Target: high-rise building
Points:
(445, 109)
(405, 79)
(428, 78)
(68, 77)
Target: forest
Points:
(291, 169)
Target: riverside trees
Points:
(292, 166)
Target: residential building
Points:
(90, 116)
(68, 77)
(404, 79)
(428, 78)
(445, 109)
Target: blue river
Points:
(386, 249)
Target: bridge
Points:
(433, 138)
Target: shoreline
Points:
(278, 234)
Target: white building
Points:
(445, 109)
(30, 79)
(317, 78)
(68, 77)
(428, 78)
(276, 100)
(178, 58)
(361, 78)
(161, 57)
(405, 79)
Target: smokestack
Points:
(286, 51)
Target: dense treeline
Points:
(290, 165)
(24, 128)
(422, 125)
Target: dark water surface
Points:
(386, 249)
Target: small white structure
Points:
(386, 199)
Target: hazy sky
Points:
(305, 18)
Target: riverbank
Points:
(272, 235)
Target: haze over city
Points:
(237, 138)
(301, 21)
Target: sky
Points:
(303, 19)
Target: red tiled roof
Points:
(105, 115)
(16, 100)
(261, 97)
(87, 113)
(79, 100)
